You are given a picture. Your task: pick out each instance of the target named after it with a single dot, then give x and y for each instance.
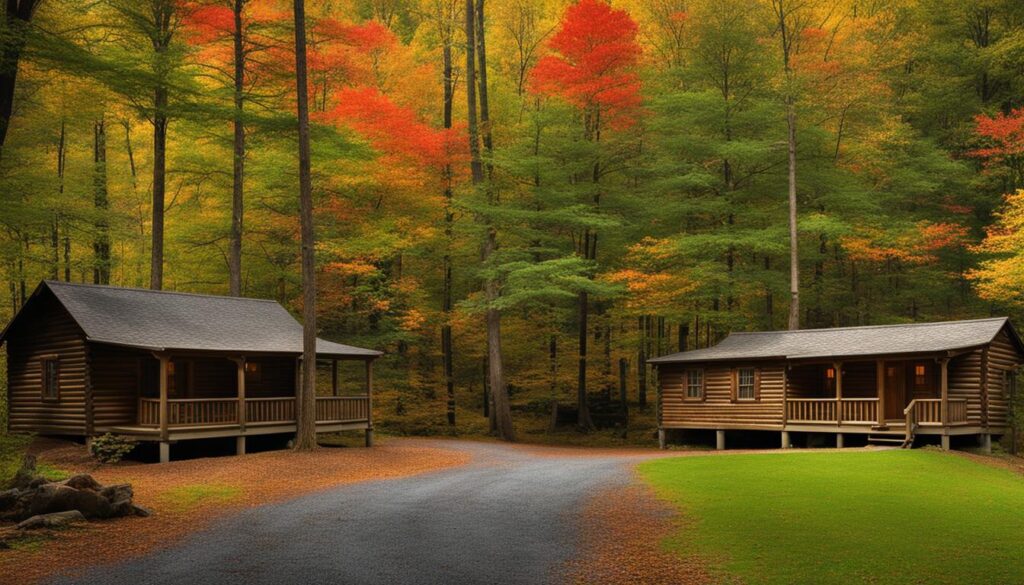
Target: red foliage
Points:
(207, 23)
(366, 37)
(1004, 135)
(392, 129)
(594, 62)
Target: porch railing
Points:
(928, 411)
(217, 411)
(824, 410)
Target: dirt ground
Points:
(187, 495)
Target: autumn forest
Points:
(523, 200)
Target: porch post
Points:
(242, 414)
(334, 377)
(838, 367)
(944, 389)
(369, 403)
(720, 440)
(880, 388)
(164, 434)
(785, 395)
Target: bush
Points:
(110, 448)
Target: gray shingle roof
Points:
(162, 320)
(849, 341)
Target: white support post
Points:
(785, 440)
(839, 441)
(240, 445)
(164, 432)
(662, 443)
(986, 443)
(165, 452)
(720, 440)
(945, 442)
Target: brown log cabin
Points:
(83, 360)
(891, 382)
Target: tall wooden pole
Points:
(306, 427)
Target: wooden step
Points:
(886, 439)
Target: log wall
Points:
(116, 378)
(47, 329)
(718, 407)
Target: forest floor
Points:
(185, 496)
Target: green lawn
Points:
(872, 517)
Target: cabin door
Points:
(895, 390)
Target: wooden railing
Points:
(342, 408)
(260, 410)
(216, 411)
(928, 411)
(824, 410)
(859, 410)
(193, 411)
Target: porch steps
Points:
(891, 440)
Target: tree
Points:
(17, 17)
(592, 68)
(305, 438)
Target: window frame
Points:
(702, 386)
(755, 384)
(254, 375)
(44, 378)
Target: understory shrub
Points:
(111, 448)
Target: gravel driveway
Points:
(509, 516)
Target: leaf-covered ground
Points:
(864, 517)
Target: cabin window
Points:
(253, 372)
(745, 384)
(1010, 384)
(51, 379)
(695, 383)
(920, 375)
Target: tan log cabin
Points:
(891, 382)
(83, 360)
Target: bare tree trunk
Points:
(238, 170)
(17, 16)
(101, 243)
(502, 412)
(55, 226)
(449, 218)
(305, 439)
(787, 37)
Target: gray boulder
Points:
(52, 520)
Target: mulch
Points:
(259, 478)
(621, 534)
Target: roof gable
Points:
(851, 341)
(162, 320)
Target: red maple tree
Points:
(593, 64)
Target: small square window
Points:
(695, 383)
(51, 379)
(920, 375)
(745, 384)
(253, 372)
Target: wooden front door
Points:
(895, 390)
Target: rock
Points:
(83, 481)
(8, 498)
(142, 511)
(52, 520)
(26, 473)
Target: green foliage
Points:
(191, 496)
(110, 448)
(881, 517)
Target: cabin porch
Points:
(197, 396)
(882, 397)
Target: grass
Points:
(190, 496)
(873, 517)
(12, 450)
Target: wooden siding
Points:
(718, 407)
(116, 381)
(1002, 356)
(964, 373)
(47, 330)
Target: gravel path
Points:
(510, 516)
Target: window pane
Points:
(51, 378)
(746, 383)
(694, 383)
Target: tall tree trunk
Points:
(17, 16)
(306, 437)
(502, 411)
(55, 226)
(238, 170)
(101, 243)
(449, 219)
(787, 37)
(163, 15)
